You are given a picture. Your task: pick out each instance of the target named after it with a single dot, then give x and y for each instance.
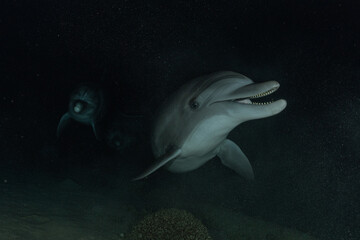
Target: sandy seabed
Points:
(66, 212)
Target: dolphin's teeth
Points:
(261, 103)
(247, 101)
(264, 93)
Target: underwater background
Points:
(306, 159)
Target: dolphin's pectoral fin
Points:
(65, 119)
(94, 129)
(232, 157)
(167, 157)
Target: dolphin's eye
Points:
(194, 104)
(78, 107)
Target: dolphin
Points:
(86, 106)
(193, 124)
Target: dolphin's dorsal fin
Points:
(167, 157)
(232, 157)
(62, 124)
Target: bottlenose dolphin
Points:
(193, 124)
(86, 106)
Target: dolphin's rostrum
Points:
(86, 106)
(193, 124)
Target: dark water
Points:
(306, 159)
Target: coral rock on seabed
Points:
(169, 224)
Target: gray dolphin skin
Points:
(192, 126)
(85, 106)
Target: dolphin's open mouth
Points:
(259, 95)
